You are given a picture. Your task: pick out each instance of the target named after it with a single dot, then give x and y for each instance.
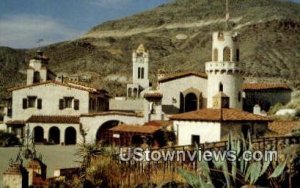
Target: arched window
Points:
(220, 87)
(139, 72)
(36, 77)
(215, 55)
(226, 54)
(142, 73)
(237, 55)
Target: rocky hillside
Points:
(178, 36)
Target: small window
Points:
(142, 73)
(25, 103)
(195, 139)
(76, 104)
(39, 103)
(226, 54)
(139, 72)
(68, 102)
(237, 55)
(61, 104)
(31, 102)
(221, 87)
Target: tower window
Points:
(142, 73)
(215, 55)
(226, 54)
(36, 77)
(221, 87)
(239, 96)
(237, 55)
(139, 72)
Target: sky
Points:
(24, 22)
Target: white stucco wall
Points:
(171, 89)
(208, 131)
(50, 94)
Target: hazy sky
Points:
(23, 22)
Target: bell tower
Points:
(140, 60)
(224, 71)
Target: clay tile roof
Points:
(135, 129)
(107, 113)
(15, 122)
(174, 76)
(265, 86)
(210, 114)
(158, 123)
(70, 85)
(153, 95)
(54, 119)
(284, 127)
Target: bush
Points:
(8, 139)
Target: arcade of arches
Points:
(55, 135)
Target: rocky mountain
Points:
(178, 36)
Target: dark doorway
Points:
(137, 140)
(103, 133)
(195, 140)
(38, 133)
(245, 130)
(54, 135)
(70, 136)
(191, 102)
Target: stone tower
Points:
(224, 72)
(37, 70)
(140, 71)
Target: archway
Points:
(70, 136)
(191, 102)
(36, 77)
(38, 133)
(103, 133)
(54, 135)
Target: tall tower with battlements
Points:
(224, 71)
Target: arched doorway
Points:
(70, 136)
(54, 135)
(38, 133)
(191, 102)
(103, 133)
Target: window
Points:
(195, 139)
(226, 54)
(61, 104)
(39, 104)
(237, 55)
(215, 56)
(36, 77)
(76, 104)
(142, 73)
(220, 87)
(31, 102)
(139, 72)
(68, 102)
(24, 103)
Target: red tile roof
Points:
(153, 95)
(15, 122)
(54, 119)
(158, 123)
(174, 76)
(107, 113)
(135, 129)
(265, 86)
(70, 85)
(284, 127)
(210, 114)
